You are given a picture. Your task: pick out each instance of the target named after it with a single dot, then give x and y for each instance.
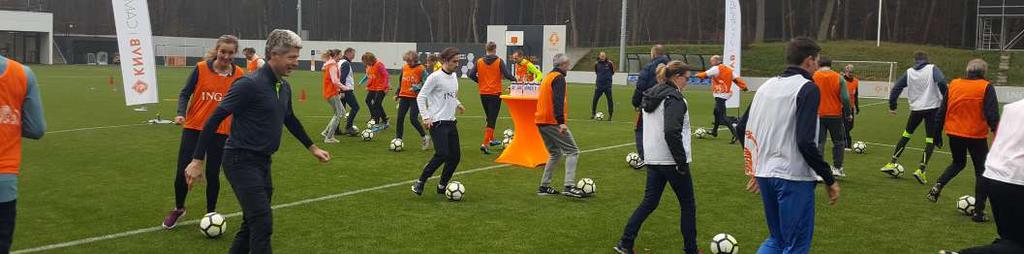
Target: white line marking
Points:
(96, 128)
(275, 207)
(907, 147)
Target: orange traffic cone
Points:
(302, 95)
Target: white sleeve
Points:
(425, 92)
(713, 72)
(260, 62)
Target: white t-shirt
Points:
(439, 97)
(1005, 161)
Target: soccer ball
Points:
(599, 116)
(724, 244)
(508, 133)
(213, 225)
(370, 124)
(897, 171)
(700, 133)
(587, 185)
(634, 160)
(454, 191)
(396, 145)
(860, 147)
(965, 205)
(506, 142)
(367, 135)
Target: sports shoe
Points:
(483, 148)
(838, 172)
(572, 191)
(979, 217)
(440, 189)
(889, 168)
(921, 177)
(417, 188)
(331, 141)
(426, 143)
(494, 143)
(545, 191)
(619, 248)
(947, 252)
(172, 218)
(842, 172)
(934, 192)
(352, 132)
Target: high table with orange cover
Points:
(527, 149)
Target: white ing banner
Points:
(731, 57)
(135, 43)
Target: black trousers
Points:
(492, 105)
(404, 106)
(375, 101)
(978, 148)
(598, 92)
(682, 185)
(8, 212)
(849, 129)
(353, 107)
(249, 175)
(445, 136)
(1006, 211)
(214, 154)
(721, 118)
(833, 126)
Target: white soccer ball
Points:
(724, 244)
(634, 160)
(367, 135)
(599, 116)
(396, 145)
(965, 205)
(509, 133)
(860, 147)
(506, 142)
(700, 133)
(454, 191)
(897, 171)
(213, 225)
(370, 124)
(587, 185)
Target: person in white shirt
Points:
(1004, 179)
(781, 152)
(439, 101)
(926, 86)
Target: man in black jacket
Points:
(604, 69)
(647, 80)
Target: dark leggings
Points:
(375, 101)
(721, 118)
(353, 107)
(404, 106)
(607, 93)
(214, 154)
(446, 151)
(932, 132)
(8, 213)
(682, 185)
(978, 148)
(1006, 211)
(849, 128)
(492, 105)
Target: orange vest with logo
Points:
(330, 89)
(964, 111)
(723, 82)
(210, 89)
(410, 76)
(13, 88)
(851, 87)
(252, 65)
(545, 106)
(489, 76)
(828, 84)
(377, 81)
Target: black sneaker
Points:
(934, 192)
(440, 189)
(619, 248)
(417, 188)
(979, 217)
(572, 191)
(545, 191)
(351, 132)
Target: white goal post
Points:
(876, 77)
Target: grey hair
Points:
(560, 59)
(281, 41)
(715, 57)
(977, 66)
(848, 67)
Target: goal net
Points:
(876, 77)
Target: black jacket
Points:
(674, 119)
(605, 70)
(647, 78)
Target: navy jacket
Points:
(647, 78)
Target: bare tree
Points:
(426, 14)
(759, 30)
(826, 20)
(473, 21)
